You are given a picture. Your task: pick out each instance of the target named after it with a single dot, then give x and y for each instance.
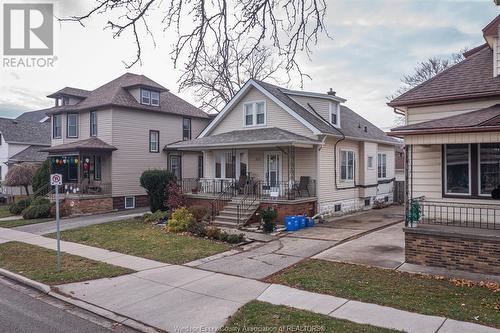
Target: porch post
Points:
(291, 171)
(407, 185)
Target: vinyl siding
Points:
(431, 139)
(320, 105)
(190, 164)
(104, 132)
(276, 117)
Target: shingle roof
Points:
(245, 137)
(71, 92)
(93, 144)
(352, 125)
(30, 154)
(37, 115)
(114, 93)
(29, 132)
(471, 78)
(480, 118)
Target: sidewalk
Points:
(176, 298)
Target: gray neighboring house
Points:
(38, 115)
(104, 139)
(22, 141)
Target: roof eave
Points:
(444, 130)
(245, 144)
(442, 99)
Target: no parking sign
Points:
(56, 179)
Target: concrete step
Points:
(235, 209)
(225, 224)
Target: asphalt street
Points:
(23, 310)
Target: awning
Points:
(246, 138)
(92, 144)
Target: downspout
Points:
(335, 146)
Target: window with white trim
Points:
(346, 165)
(154, 141)
(155, 98)
(370, 162)
(72, 125)
(381, 165)
(334, 113)
(129, 202)
(93, 123)
(56, 126)
(254, 113)
(150, 97)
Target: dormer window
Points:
(335, 114)
(149, 97)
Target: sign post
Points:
(56, 180)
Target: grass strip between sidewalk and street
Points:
(39, 264)
(21, 222)
(264, 317)
(411, 292)
(136, 238)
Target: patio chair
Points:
(302, 186)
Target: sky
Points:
(374, 43)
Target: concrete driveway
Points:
(383, 248)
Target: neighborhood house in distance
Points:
(297, 151)
(452, 135)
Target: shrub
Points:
(40, 201)
(175, 198)
(41, 177)
(234, 238)
(268, 216)
(199, 212)
(21, 175)
(37, 211)
(179, 220)
(17, 208)
(213, 232)
(157, 217)
(197, 228)
(155, 182)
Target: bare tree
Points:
(424, 71)
(215, 82)
(210, 30)
(21, 175)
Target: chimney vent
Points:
(333, 93)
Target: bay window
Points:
(346, 165)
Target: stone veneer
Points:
(476, 251)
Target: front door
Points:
(272, 172)
(175, 166)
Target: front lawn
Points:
(264, 317)
(4, 211)
(144, 240)
(401, 290)
(21, 222)
(39, 264)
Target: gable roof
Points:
(115, 93)
(486, 119)
(75, 92)
(269, 135)
(352, 124)
(25, 132)
(37, 115)
(470, 78)
(30, 154)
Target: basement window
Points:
(367, 202)
(129, 202)
(338, 207)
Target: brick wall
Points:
(453, 251)
(87, 206)
(287, 209)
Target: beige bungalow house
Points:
(452, 137)
(302, 152)
(102, 140)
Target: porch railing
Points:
(86, 189)
(222, 199)
(455, 214)
(283, 190)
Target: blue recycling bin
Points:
(290, 223)
(302, 221)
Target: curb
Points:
(21, 279)
(131, 323)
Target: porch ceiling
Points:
(263, 137)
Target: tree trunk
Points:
(27, 191)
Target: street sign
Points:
(55, 179)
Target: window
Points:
(370, 162)
(457, 170)
(56, 126)
(72, 125)
(346, 165)
(129, 202)
(255, 113)
(381, 166)
(367, 202)
(155, 98)
(338, 207)
(186, 129)
(489, 165)
(154, 141)
(145, 97)
(149, 97)
(334, 113)
(93, 123)
(200, 166)
(175, 166)
(218, 165)
(97, 167)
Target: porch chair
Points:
(302, 186)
